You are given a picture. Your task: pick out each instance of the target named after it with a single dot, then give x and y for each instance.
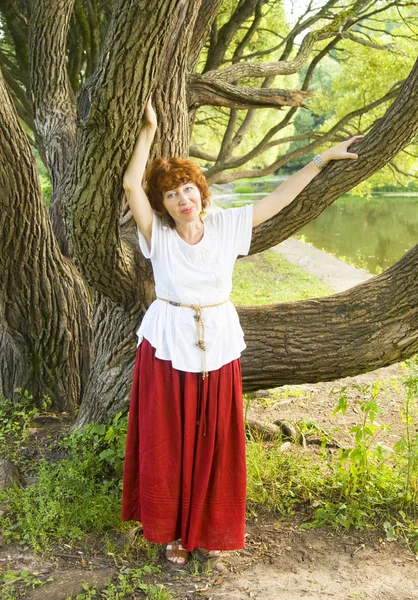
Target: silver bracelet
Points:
(319, 162)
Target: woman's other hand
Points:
(340, 151)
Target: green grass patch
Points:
(268, 278)
(243, 188)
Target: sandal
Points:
(210, 553)
(176, 554)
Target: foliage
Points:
(16, 584)
(366, 484)
(16, 416)
(348, 78)
(350, 88)
(277, 481)
(211, 121)
(129, 581)
(73, 497)
(104, 441)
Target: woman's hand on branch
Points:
(149, 118)
(340, 151)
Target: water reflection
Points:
(372, 234)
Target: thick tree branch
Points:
(217, 93)
(43, 302)
(224, 36)
(53, 101)
(254, 27)
(52, 97)
(372, 325)
(283, 67)
(207, 14)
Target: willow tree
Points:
(74, 285)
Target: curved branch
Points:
(217, 93)
(283, 67)
(213, 173)
(372, 325)
(347, 35)
(196, 152)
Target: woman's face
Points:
(183, 204)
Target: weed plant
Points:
(368, 484)
(71, 498)
(129, 583)
(16, 416)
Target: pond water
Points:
(369, 233)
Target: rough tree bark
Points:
(44, 308)
(46, 299)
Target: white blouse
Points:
(199, 274)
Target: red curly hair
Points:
(168, 174)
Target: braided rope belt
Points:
(200, 325)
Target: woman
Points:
(184, 472)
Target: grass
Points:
(268, 278)
(366, 484)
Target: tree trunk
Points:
(113, 348)
(52, 98)
(44, 308)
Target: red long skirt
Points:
(184, 471)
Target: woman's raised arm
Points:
(287, 191)
(132, 179)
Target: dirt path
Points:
(334, 272)
(320, 565)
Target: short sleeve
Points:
(155, 237)
(238, 228)
(246, 225)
